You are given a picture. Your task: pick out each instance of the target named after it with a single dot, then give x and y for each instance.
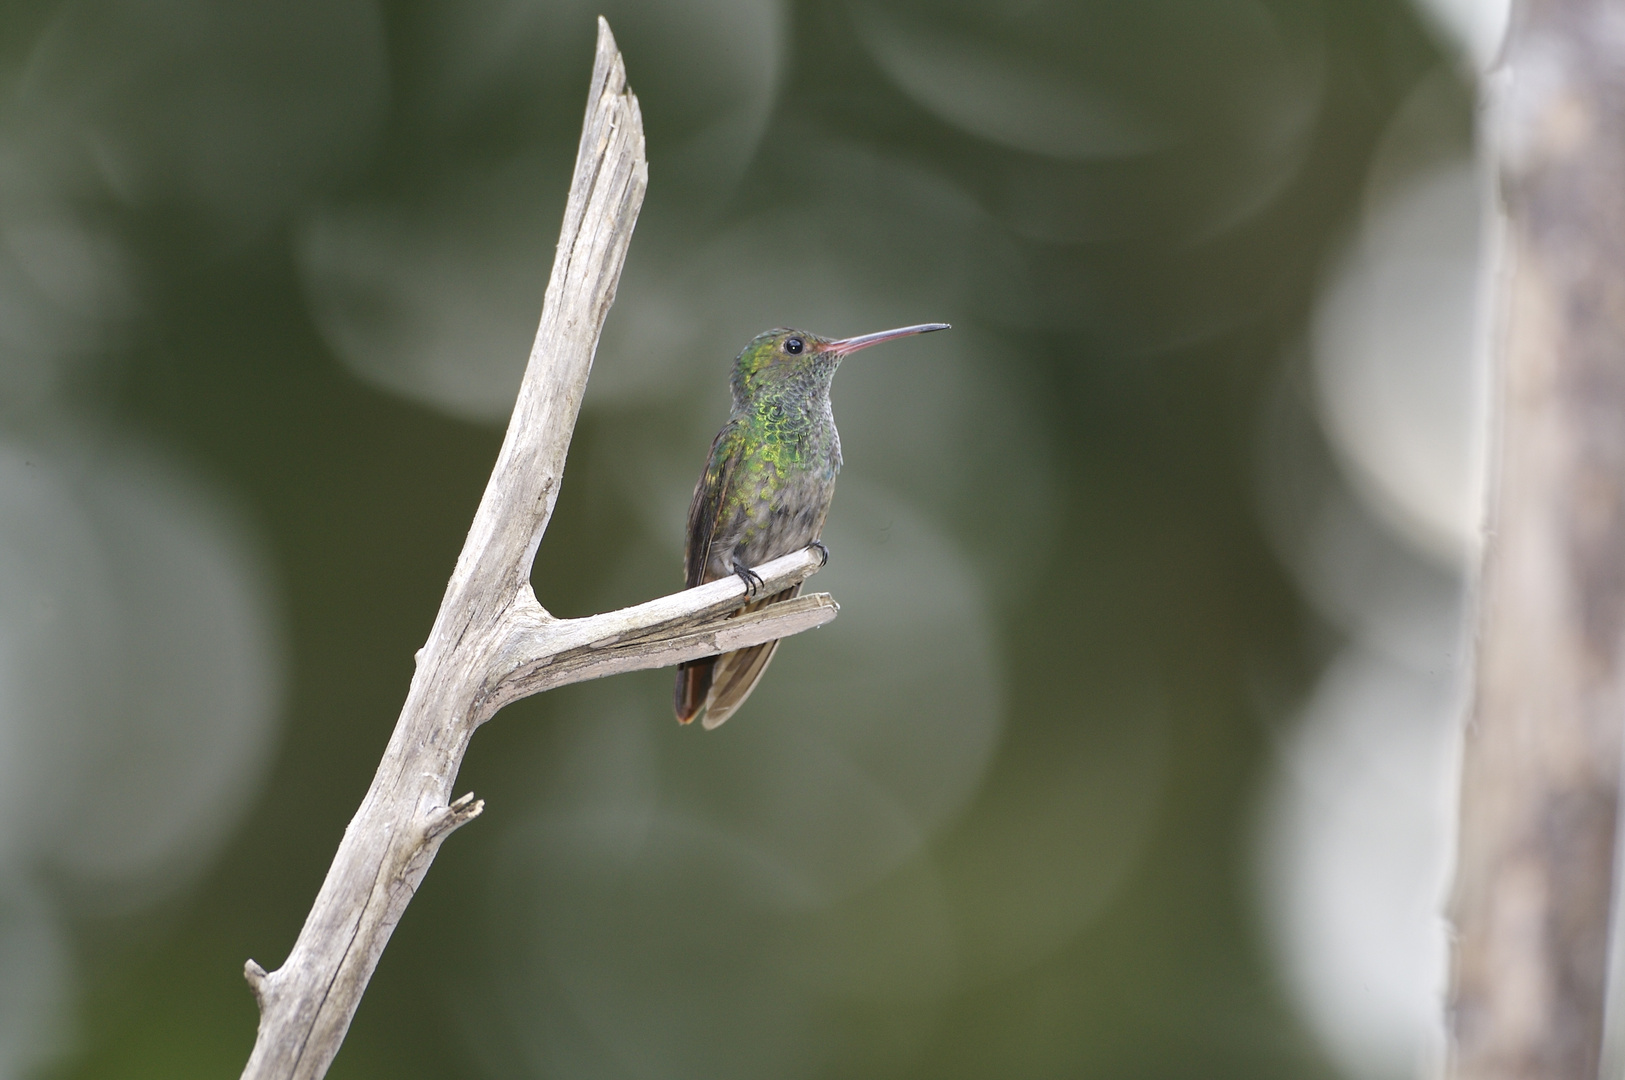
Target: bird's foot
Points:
(752, 580)
(823, 552)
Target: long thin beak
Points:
(863, 341)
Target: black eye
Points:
(794, 345)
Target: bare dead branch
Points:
(492, 642)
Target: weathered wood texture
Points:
(1540, 784)
(492, 642)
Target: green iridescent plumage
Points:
(765, 491)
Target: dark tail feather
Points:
(693, 685)
(735, 674)
(718, 685)
(734, 677)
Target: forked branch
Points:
(492, 643)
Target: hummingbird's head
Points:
(784, 355)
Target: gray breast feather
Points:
(787, 523)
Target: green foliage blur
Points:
(995, 821)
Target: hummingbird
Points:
(765, 492)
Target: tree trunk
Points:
(1540, 782)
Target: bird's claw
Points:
(752, 580)
(823, 552)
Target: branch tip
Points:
(256, 977)
(459, 813)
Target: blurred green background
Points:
(1127, 755)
